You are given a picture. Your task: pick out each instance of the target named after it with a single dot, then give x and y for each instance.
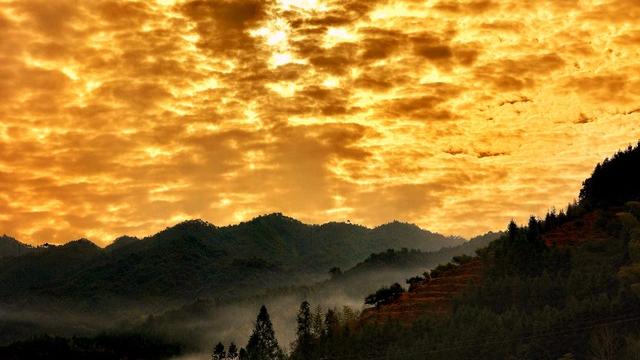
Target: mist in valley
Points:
(204, 323)
(192, 325)
(199, 325)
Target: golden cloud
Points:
(125, 116)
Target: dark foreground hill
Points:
(10, 247)
(195, 258)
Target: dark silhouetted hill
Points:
(11, 247)
(121, 242)
(195, 258)
(42, 271)
(614, 181)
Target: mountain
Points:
(121, 242)
(206, 318)
(399, 265)
(407, 260)
(409, 236)
(40, 272)
(11, 247)
(195, 258)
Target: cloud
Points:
(584, 119)
(126, 117)
(52, 19)
(223, 24)
(472, 7)
(606, 87)
(486, 153)
(380, 43)
(520, 73)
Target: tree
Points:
(232, 353)
(303, 345)
(349, 315)
(414, 281)
(533, 230)
(331, 323)
(318, 327)
(385, 295)
(262, 343)
(218, 352)
(512, 230)
(242, 355)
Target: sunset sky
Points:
(124, 117)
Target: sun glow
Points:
(336, 35)
(307, 5)
(255, 106)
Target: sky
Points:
(125, 117)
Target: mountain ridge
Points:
(9, 246)
(276, 215)
(196, 258)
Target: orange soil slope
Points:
(574, 232)
(429, 297)
(435, 296)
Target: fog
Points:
(200, 324)
(204, 323)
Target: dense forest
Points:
(563, 287)
(101, 347)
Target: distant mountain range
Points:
(195, 258)
(195, 323)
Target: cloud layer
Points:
(127, 116)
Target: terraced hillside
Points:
(435, 295)
(432, 296)
(574, 232)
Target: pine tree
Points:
(303, 346)
(349, 314)
(331, 323)
(533, 230)
(262, 343)
(242, 355)
(218, 352)
(318, 328)
(232, 353)
(512, 230)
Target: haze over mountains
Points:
(272, 258)
(195, 258)
(197, 322)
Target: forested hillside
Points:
(230, 319)
(562, 287)
(195, 258)
(79, 288)
(11, 247)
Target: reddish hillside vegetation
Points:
(574, 232)
(433, 296)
